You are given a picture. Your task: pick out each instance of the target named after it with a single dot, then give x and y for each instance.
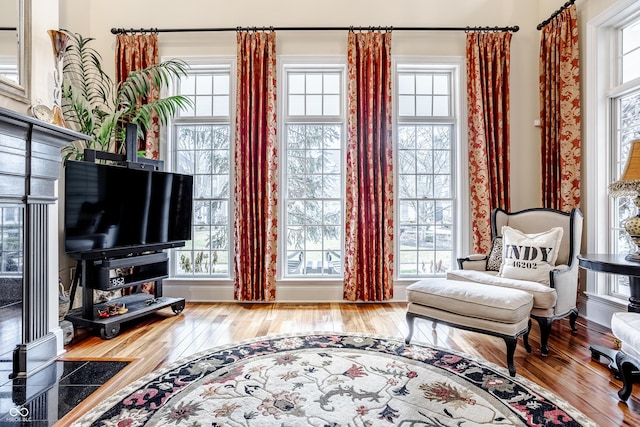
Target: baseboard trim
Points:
(293, 292)
(599, 310)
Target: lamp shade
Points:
(629, 183)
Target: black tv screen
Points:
(114, 207)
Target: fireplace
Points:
(29, 168)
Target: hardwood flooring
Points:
(162, 338)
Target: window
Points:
(202, 147)
(11, 255)
(312, 134)
(9, 71)
(313, 140)
(625, 123)
(630, 51)
(425, 166)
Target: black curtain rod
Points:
(190, 30)
(8, 28)
(556, 13)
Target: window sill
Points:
(617, 303)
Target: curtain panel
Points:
(560, 111)
(369, 238)
(135, 52)
(256, 168)
(488, 64)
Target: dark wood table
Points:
(614, 264)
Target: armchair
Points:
(554, 301)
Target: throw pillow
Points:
(529, 256)
(494, 262)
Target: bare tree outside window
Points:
(312, 167)
(314, 184)
(425, 170)
(203, 149)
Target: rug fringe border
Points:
(91, 416)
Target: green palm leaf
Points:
(93, 105)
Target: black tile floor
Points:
(47, 396)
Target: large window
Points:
(425, 168)
(312, 135)
(202, 147)
(313, 140)
(625, 123)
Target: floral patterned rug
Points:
(332, 380)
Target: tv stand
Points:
(114, 274)
(97, 269)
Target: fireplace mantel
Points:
(30, 161)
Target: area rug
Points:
(332, 379)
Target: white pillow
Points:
(529, 256)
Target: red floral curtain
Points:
(488, 64)
(369, 257)
(560, 111)
(135, 52)
(256, 168)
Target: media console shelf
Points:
(123, 265)
(119, 273)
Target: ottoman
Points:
(492, 310)
(625, 327)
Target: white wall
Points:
(95, 19)
(44, 17)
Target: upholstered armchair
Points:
(554, 298)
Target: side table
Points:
(614, 264)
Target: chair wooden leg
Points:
(410, 318)
(573, 316)
(545, 331)
(525, 338)
(511, 349)
(626, 366)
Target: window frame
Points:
(204, 65)
(306, 64)
(618, 161)
(602, 84)
(460, 242)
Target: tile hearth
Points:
(44, 399)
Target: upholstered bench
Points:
(626, 326)
(492, 310)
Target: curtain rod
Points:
(187, 30)
(8, 28)
(554, 14)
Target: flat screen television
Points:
(114, 209)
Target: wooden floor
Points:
(163, 338)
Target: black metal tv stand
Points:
(119, 272)
(124, 267)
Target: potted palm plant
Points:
(94, 105)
